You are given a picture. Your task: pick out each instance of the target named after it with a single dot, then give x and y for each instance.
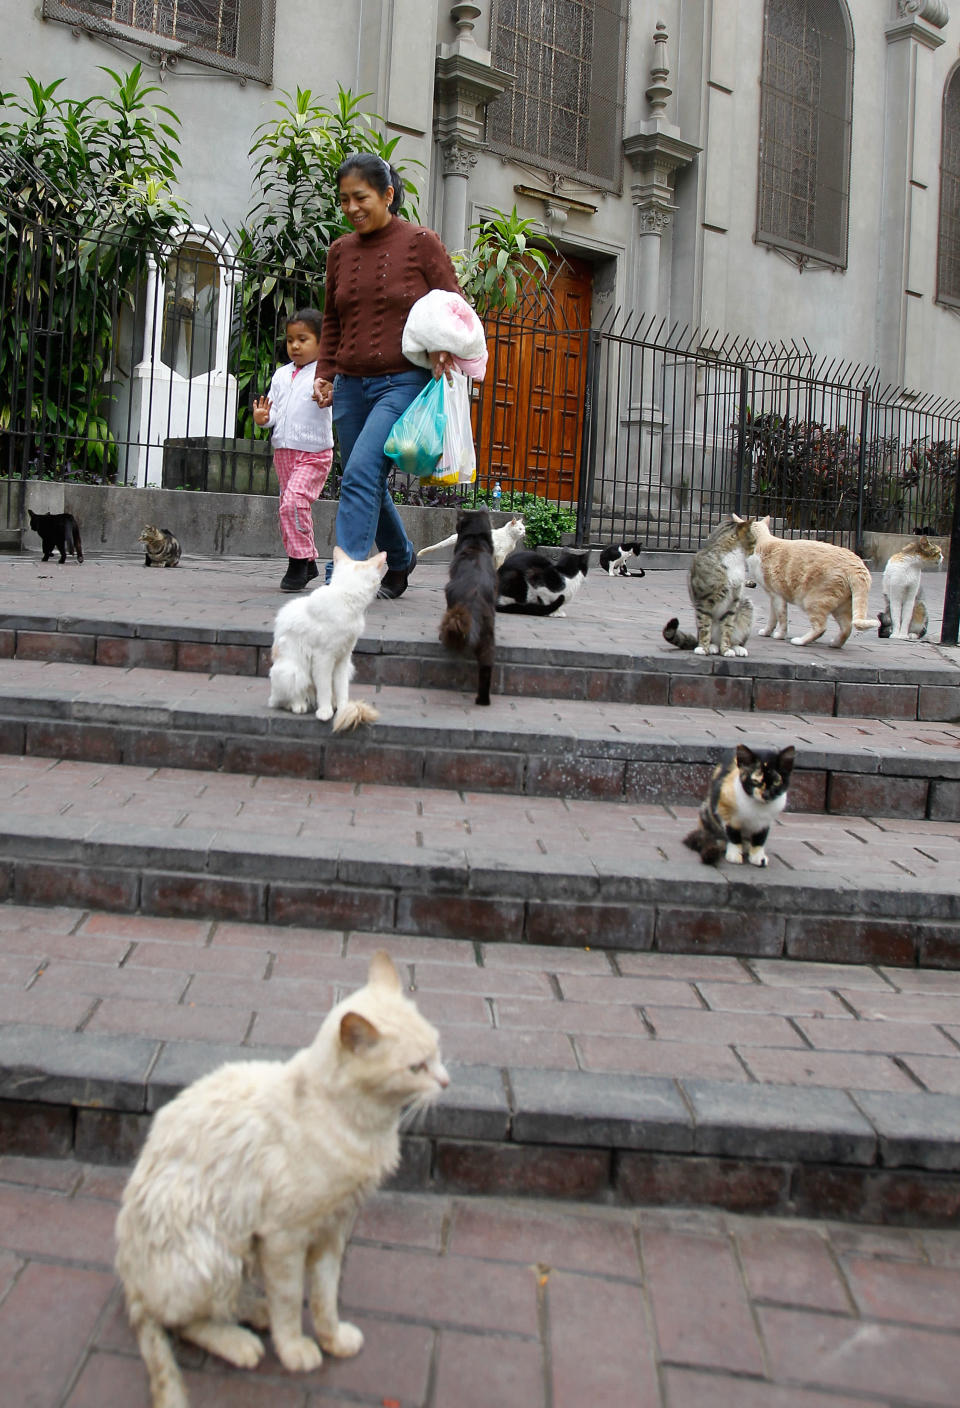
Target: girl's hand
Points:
(322, 391)
(261, 409)
(443, 365)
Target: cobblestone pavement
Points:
(611, 614)
(469, 1303)
(853, 1027)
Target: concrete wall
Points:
(208, 525)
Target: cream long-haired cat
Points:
(822, 578)
(255, 1173)
(905, 616)
(313, 641)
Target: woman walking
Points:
(374, 276)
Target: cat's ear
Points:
(746, 757)
(737, 519)
(382, 972)
(379, 560)
(356, 1033)
(339, 555)
(785, 761)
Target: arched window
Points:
(806, 93)
(948, 244)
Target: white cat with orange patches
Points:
(905, 614)
(824, 579)
(255, 1173)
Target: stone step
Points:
(526, 746)
(472, 865)
(804, 1089)
(217, 619)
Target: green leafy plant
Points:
(85, 191)
(503, 269)
(546, 523)
(284, 240)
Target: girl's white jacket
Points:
(296, 420)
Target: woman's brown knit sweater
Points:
(372, 283)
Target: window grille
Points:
(235, 35)
(805, 121)
(564, 111)
(948, 245)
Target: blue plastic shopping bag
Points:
(416, 440)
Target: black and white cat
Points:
(613, 560)
(59, 532)
(530, 584)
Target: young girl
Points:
(302, 445)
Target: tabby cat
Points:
(716, 580)
(161, 547)
(822, 578)
(905, 612)
(59, 532)
(745, 795)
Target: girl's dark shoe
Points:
(312, 570)
(297, 574)
(394, 582)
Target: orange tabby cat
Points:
(822, 578)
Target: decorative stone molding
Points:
(935, 12)
(458, 158)
(653, 218)
(466, 81)
(655, 158)
(659, 91)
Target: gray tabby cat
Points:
(716, 581)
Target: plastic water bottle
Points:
(497, 491)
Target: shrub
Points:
(545, 522)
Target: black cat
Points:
(613, 560)
(59, 532)
(530, 584)
(471, 591)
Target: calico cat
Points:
(824, 579)
(530, 584)
(506, 539)
(59, 532)
(905, 614)
(161, 547)
(716, 580)
(469, 621)
(613, 560)
(313, 640)
(745, 795)
(255, 1173)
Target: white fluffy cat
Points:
(506, 539)
(257, 1171)
(313, 640)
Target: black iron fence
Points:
(122, 366)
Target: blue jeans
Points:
(364, 410)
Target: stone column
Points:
(655, 152)
(910, 182)
(466, 81)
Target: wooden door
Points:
(531, 408)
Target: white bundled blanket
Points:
(441, 321)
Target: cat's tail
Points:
(860, 590)
(72, 539)
(531, 608)
(455, 628)
(710, 848)
(167, 1389)
(435, 547)
(681, 639)
(353, 713)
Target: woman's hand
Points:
(443, 365)
(322, 391)
(261, 409)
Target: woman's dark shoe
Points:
(394, 582)
(297, 574)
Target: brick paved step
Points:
(474, 865)
(639, 1078)
(217, 618)
(532, 747)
